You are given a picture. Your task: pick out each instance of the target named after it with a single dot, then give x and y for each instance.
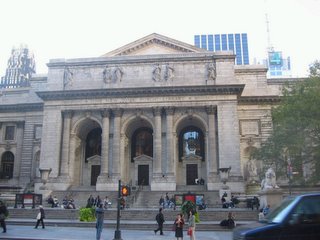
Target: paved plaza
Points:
(65, 233)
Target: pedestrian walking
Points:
(160, 220)
(100, 218)
(40, 217)
(192, 225)
(178, 223)
(3, 214)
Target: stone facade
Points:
(155, 84)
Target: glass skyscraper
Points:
(238, 43)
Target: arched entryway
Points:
(192, 164)
(139, 151)
(87, 159)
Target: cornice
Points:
(154, 41)
(260, 99)
(23, 107)
(142, 92)
(137, 59)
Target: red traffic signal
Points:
(125, 190)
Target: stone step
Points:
(137, 214)
(124, 225)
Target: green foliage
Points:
(187, 206)
(87, 214)
(296, 129)
(197, 218)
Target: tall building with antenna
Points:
(278, 65)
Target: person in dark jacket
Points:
(100, 218)
(3, 214)
(160, 220)
(40, 217)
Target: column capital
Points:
(211, 109)
(169, 110)
(117, 112)
(105, 113)
(157, 111)
(68, 113)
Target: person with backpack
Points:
(160, 220)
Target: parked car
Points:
(297, 217)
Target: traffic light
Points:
(125, 190)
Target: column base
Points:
(164, 183)
(107, 183)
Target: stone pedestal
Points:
(272, 197)
(253, 188)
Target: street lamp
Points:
(117, 233)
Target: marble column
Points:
(169, 136)
(116, 144)
(212, 156)
(104, 177)
(64, 167)
(157, 148)
(105, 143)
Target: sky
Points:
(90, 28)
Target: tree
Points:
(296, 130)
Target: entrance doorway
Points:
(95, 172)
(143, 175)
(192, 173)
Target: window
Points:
(142, 143)
(191, 141)
(7, 162)
(9, 135)
(37, 132)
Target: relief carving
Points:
(67, 77)
(162, 73)
(112, 74)
(211, 71)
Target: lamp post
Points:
(117, 233)
(289, 173)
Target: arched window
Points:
(93, 143)
(191, 141)
(142, 143)
(7, 162)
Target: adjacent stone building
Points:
(156, 112)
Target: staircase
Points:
(134, 219)
(144, 198)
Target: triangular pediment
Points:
(94, 159)
(154, 44)
(191, 157)
(142, 158)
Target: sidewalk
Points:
(79, 233)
